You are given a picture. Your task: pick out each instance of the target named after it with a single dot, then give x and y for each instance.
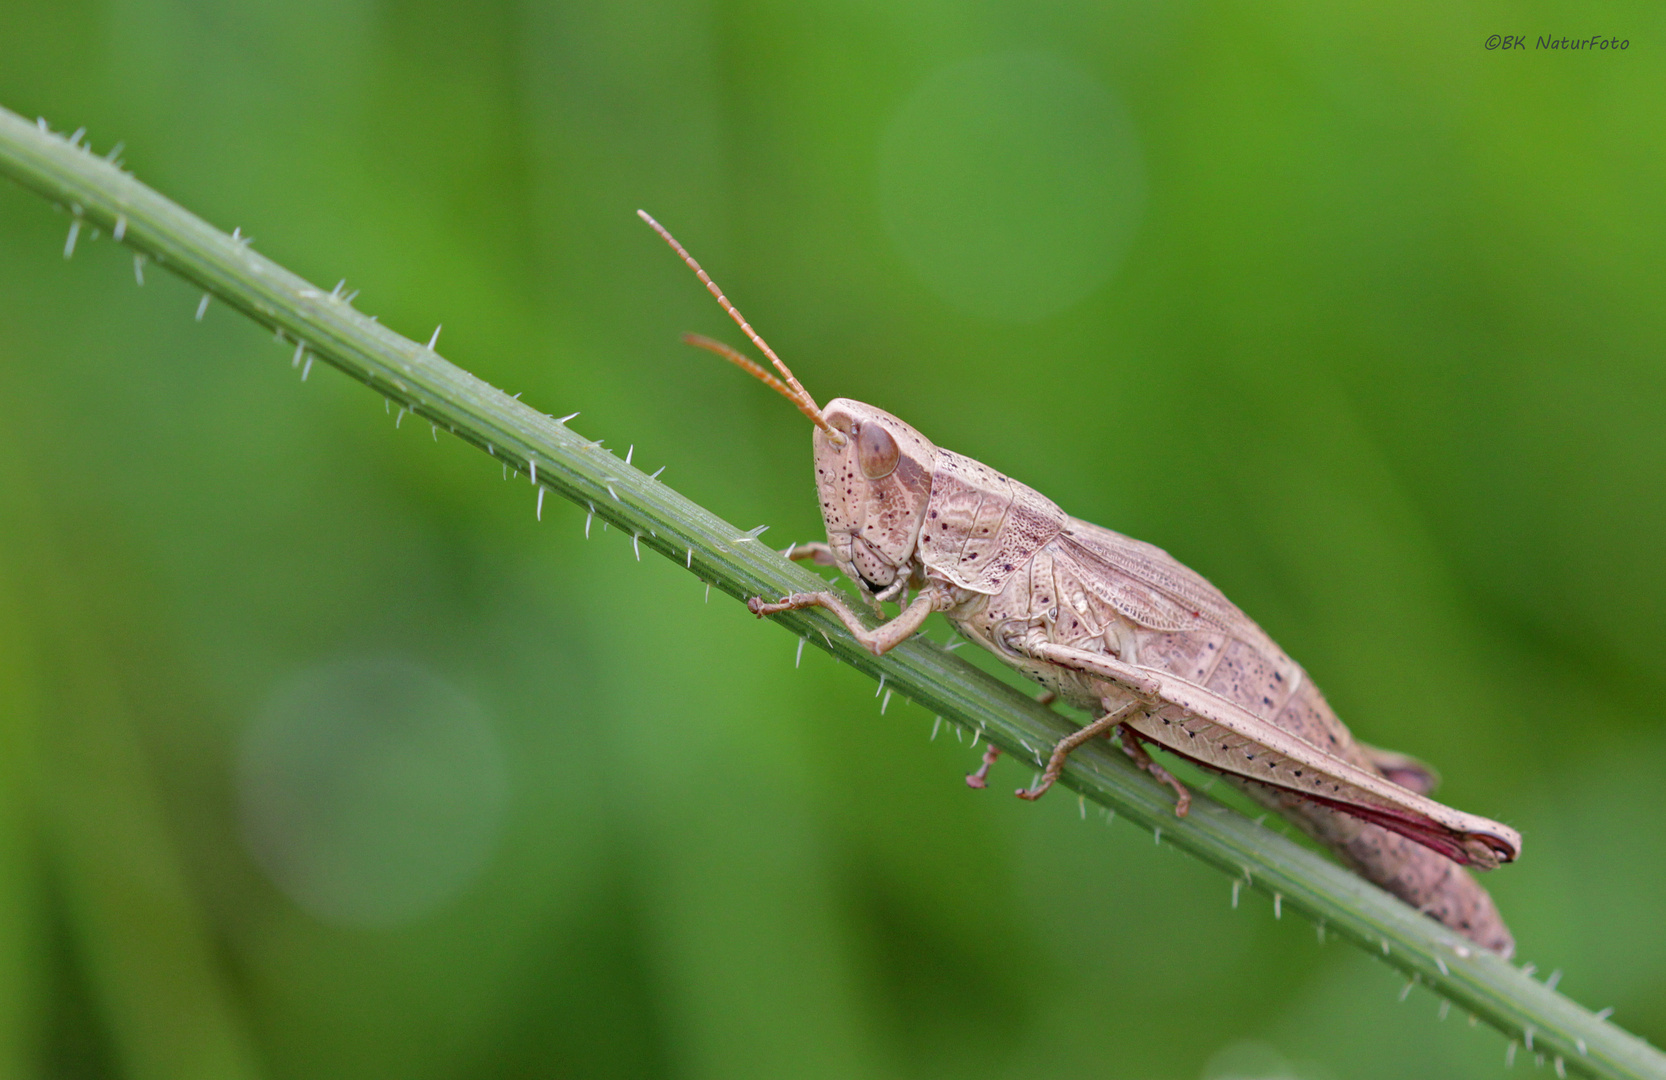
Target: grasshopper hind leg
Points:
(1403, 769)
(1131, 746)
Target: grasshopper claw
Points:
(980, 779)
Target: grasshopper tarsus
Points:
(1132, 746)
(980, 779)
(1062, 750)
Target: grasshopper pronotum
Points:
(1121, 629)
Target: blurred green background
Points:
(323, 758)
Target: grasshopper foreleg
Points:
(1132, 747)
(818, 553)
(879, 640)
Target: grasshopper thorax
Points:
(874, 481)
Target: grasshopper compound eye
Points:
(876, 451)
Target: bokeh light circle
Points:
(1012, 184)
(371, 792)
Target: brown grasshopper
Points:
(1121, 629)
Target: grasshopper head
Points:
(873, 476)
(873, 472)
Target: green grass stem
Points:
(322, 324)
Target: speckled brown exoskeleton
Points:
(1119, 628)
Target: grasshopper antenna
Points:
(740, 360)
(792, 390)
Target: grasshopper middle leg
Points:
(1061, 751)
(992, 753)
(980, 779)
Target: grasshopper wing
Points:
(1149, 586)
(1207, 728)
(1241, 734)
